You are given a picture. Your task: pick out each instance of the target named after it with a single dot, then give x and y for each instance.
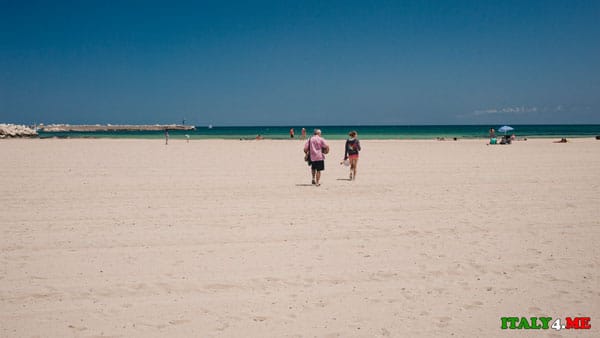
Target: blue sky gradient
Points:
(300, 62)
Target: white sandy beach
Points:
(132, 238)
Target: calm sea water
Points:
(341, 132)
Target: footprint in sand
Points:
(534, 310)
(78, 328)
(217, 286)
(443, 321)
(223, 326)
(473, 305)
(260, 318)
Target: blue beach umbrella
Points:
(505, 129)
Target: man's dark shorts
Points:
(318, 165)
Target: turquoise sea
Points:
(341, 132)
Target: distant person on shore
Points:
(352, 148)
(562, 140)
(259, 137)
(303, 135)
(166, 136)
(291, 132)
(316, 147)
(187, 138)
(505, 139)
(493, 139)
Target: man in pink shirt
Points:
(316, 147)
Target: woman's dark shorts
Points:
(318, 165)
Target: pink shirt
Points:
(317, 143)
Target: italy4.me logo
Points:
(543, 323)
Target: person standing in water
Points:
(351, 152)
(291, 132)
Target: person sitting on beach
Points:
(259, 137)
(505, 140)
(351, 152)
(562, 140)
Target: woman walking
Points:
(351, 152)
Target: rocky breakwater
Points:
(111, 127)
(15, 130)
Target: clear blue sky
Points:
(300, 62)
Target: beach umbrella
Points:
(505, 129)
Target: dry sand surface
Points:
(132, 238)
